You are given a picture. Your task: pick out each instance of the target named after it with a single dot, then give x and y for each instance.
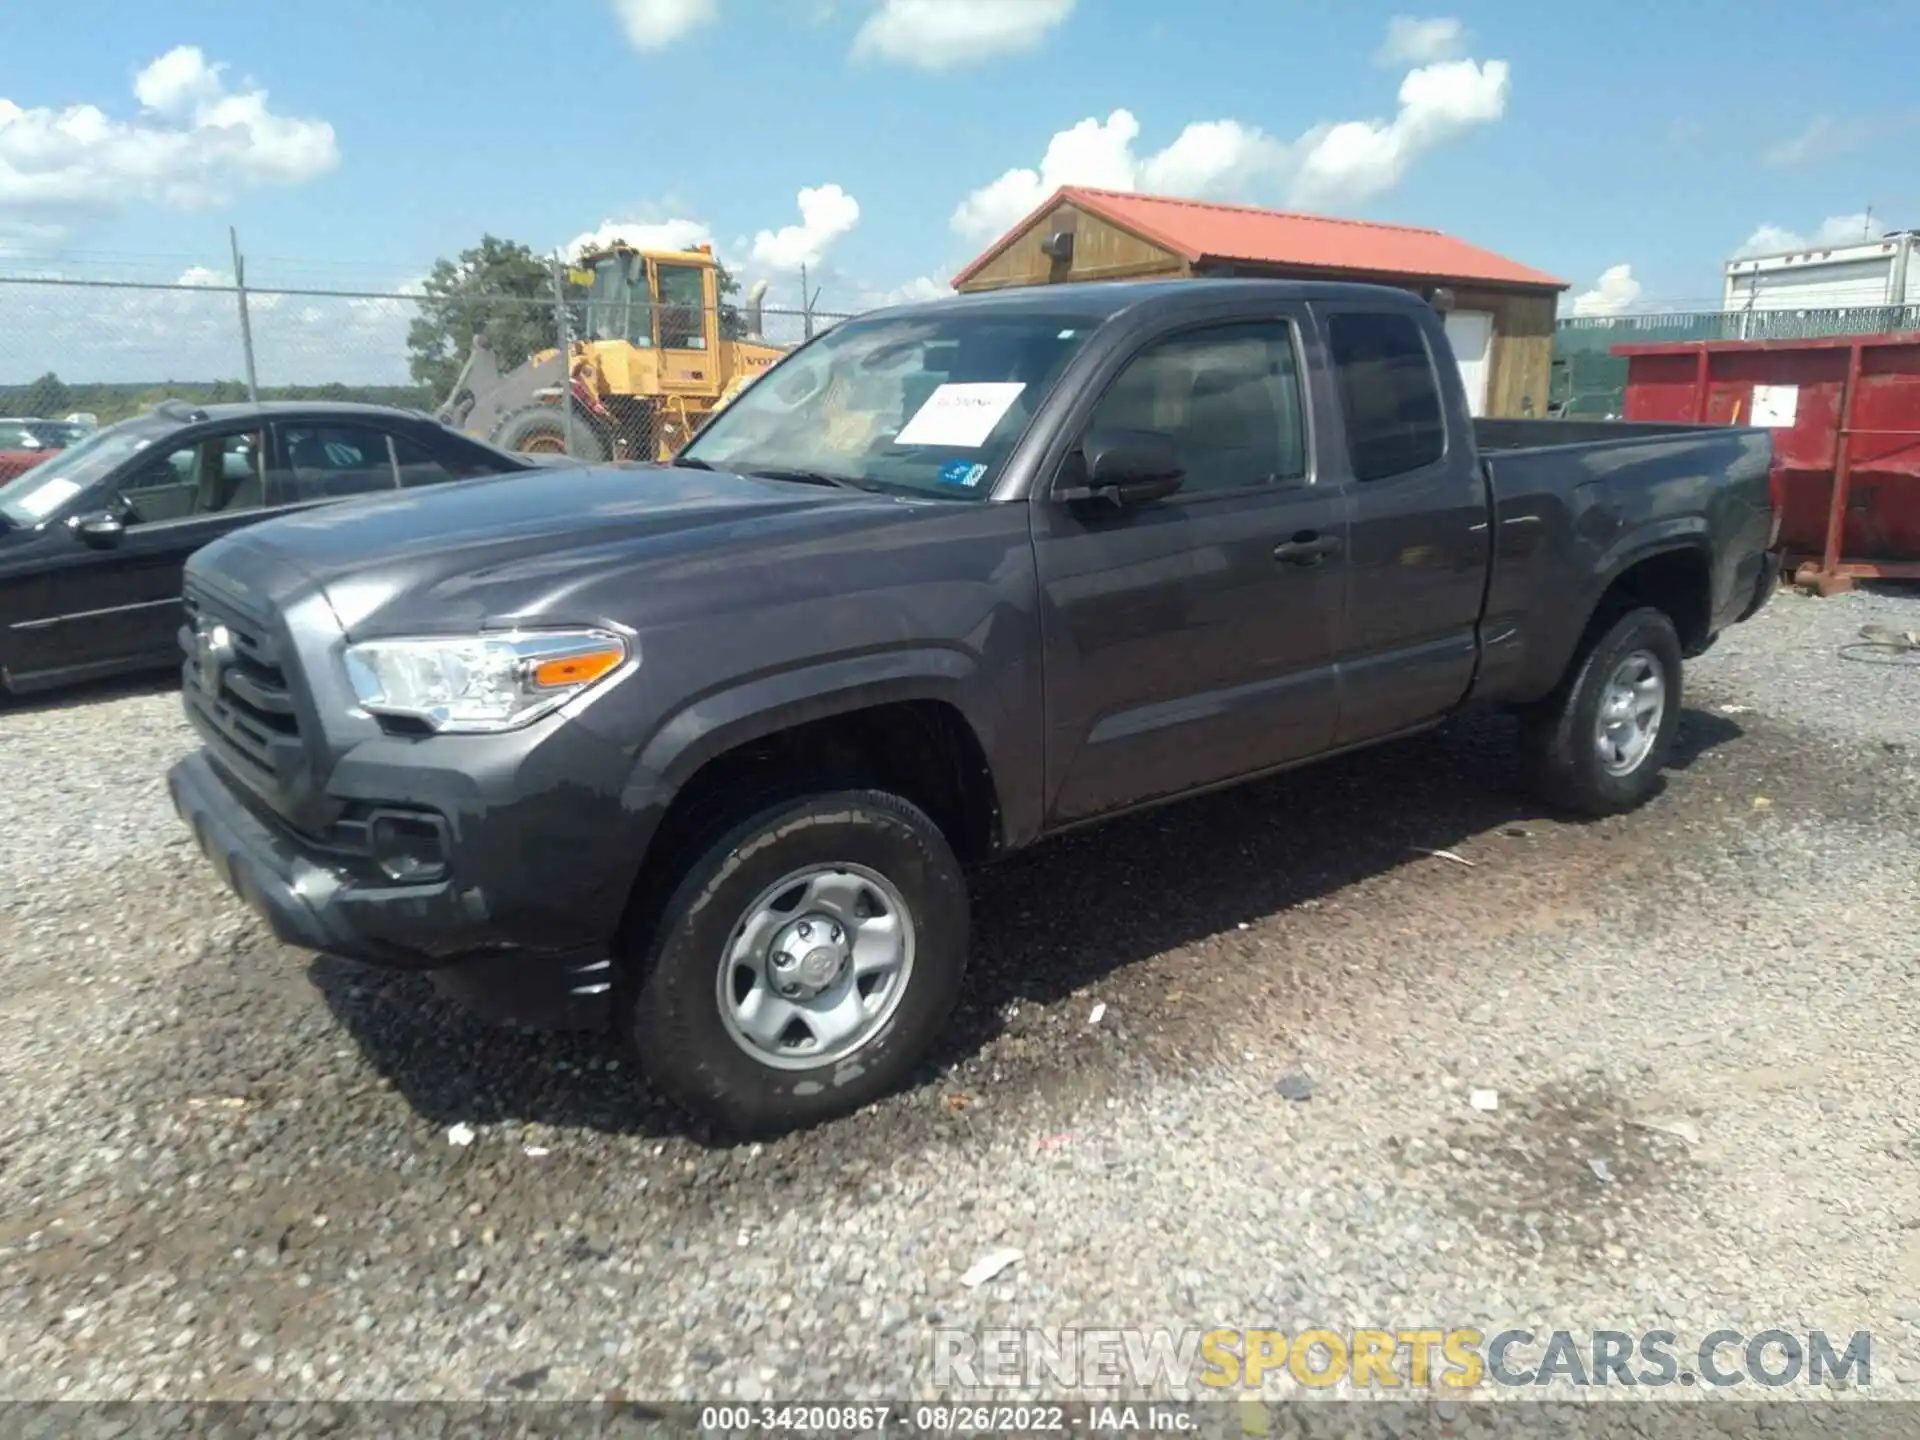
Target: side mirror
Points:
(102, 530)
(1126, 468)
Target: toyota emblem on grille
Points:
(212, 653)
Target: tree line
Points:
(49, 397)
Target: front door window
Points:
(683, 307)
(214, 475)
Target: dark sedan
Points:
(93, 540)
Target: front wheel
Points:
(804, 965)
(1598, 745)
(542, 430)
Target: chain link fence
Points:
(112, 348)
(109, 349)
(1589, 380)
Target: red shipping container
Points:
(1845, 415)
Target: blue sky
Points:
(1575, 138)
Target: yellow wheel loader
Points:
(648, 370)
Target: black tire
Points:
(673, 1012)
(542, 429)
(1559, 739)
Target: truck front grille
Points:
(243, 703)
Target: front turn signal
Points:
(579, 669)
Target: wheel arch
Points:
(899, 719)
(1672, 571)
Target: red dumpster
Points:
(1845, 416)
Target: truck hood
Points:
(546, 544)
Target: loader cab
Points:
(664, 302)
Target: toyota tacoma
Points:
(702, 751)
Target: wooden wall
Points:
(1522, 347)
(1522, 359)
(1100, 252)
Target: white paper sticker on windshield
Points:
(962, 415)
(48, 498)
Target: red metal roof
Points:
(1202, 231)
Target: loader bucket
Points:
(482, 397)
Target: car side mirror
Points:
(102, 529)
(1125, 468)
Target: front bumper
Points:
(309, 900)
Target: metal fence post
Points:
(566, 355)
(246, 325)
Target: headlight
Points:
(479, 683)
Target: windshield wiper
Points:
(688, 462)
(810, 477)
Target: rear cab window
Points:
(1389, 393)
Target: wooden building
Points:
(1501, 315)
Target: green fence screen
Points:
(1590, 381)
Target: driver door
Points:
(113, 602)
(686, 334)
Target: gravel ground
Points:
(227, 1172)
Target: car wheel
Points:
(804, 965)
(1598, 745)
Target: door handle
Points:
(1306, 548)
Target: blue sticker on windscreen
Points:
(962, 472)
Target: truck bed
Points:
(1501, 436)
(1568, 495)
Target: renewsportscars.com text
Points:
(1399, 1359)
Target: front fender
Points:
(765, 704)
(739, 714)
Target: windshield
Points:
(30, 498)
(930, 403)
(618, 305)
(55, 434)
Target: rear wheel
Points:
(1598, 744)
(542, 430)
(804, 965)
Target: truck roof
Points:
(1106, 298)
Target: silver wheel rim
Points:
(816, 966)
(1631, 709)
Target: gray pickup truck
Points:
(702, 751)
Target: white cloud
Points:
(194, 143)
(1412, 41)
(178, 82)
(672, 234)
(950, 34)
(1770, 239)
(656, 24)
(1350, 163)
(826, 213)
(1615, 293)
(1823, 138)
(921, 287)
(1328, 167)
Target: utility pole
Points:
(246, 325)
(566, 351)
